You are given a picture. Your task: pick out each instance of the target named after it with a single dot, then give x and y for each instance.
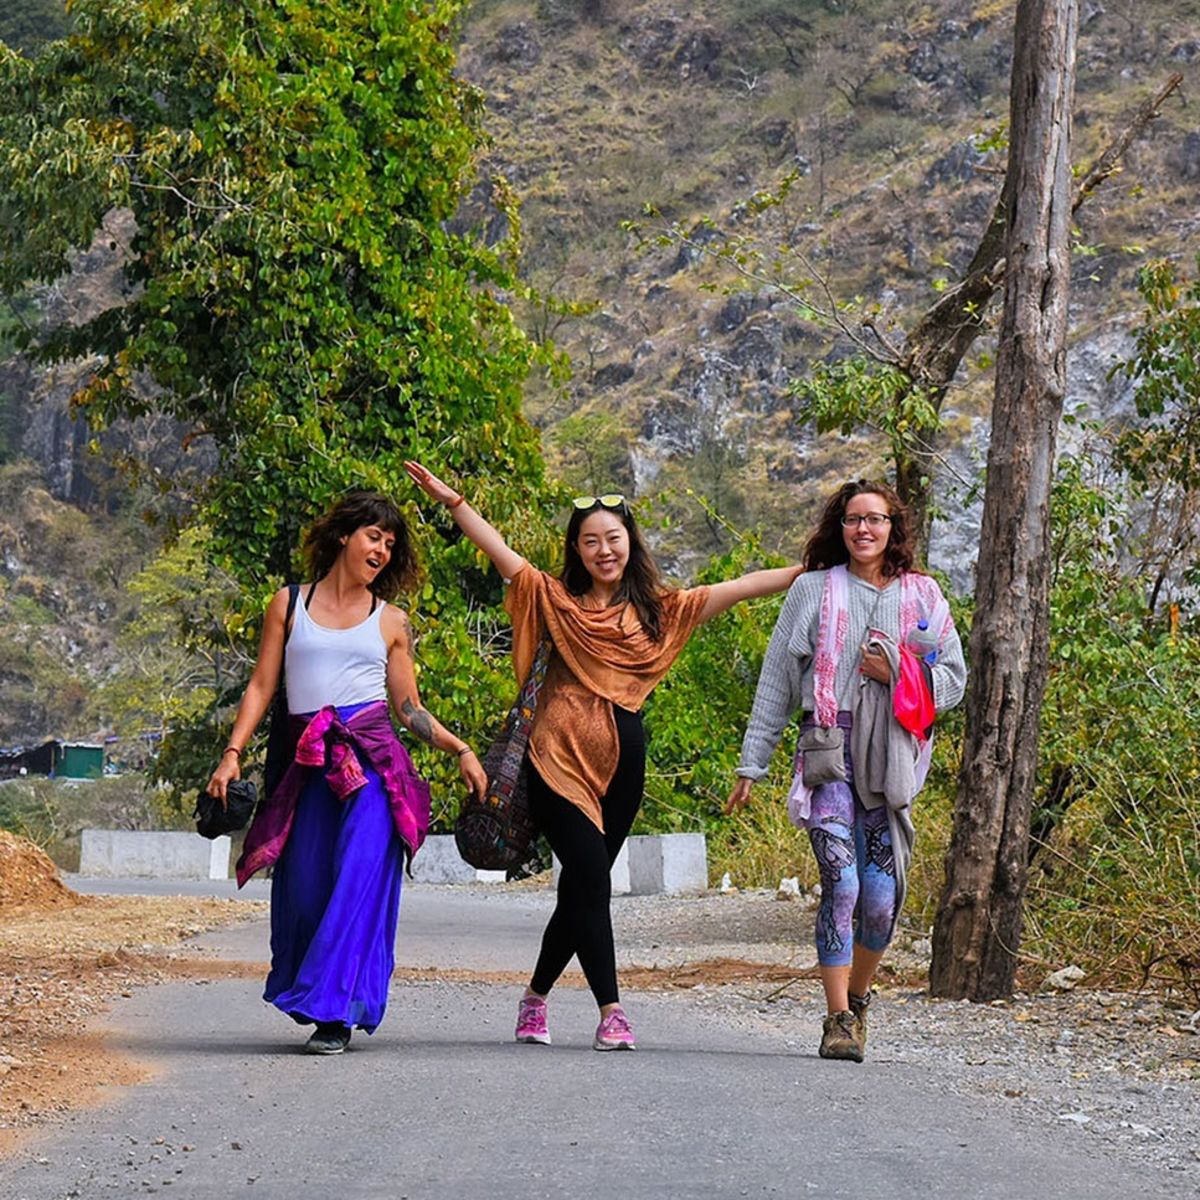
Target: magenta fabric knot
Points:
(327, 732)
(345, 775)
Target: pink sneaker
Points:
(531, 1021)
(614, 1033)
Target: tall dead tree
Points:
(978, 927)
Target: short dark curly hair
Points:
(827, 547)
(353, 511)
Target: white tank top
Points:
(334, 666)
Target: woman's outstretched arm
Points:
(506, 560)
(260, 691)
(757, 583)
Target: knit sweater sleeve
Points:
(779, 684)
(949, 673)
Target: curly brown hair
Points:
(827, 547)
(352, 512)
(641, 584)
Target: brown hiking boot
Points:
(839, 1037)
(859, 1006)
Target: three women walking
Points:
(862, 639)
(614, 630)
(349, 808)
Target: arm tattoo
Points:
(419, 721)
(410, 639)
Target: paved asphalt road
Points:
(441, 1102)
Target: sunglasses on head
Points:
(612, 500)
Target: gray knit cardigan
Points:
(785, 684)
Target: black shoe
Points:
(331, 1037)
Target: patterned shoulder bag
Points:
(495, 833)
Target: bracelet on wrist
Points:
(459, 499)
(464, 750)
(232, 750)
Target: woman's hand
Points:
(473, 774)
(875, 666)
(228, 769)
(430, 484)
(740, 796)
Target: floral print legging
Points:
(858, 874)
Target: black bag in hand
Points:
(213, 819)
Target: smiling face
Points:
(367, 551)
(866, 543)
(603, 547)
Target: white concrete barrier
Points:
(619, 872)
(438, 861)
(152, 854)
(667, 864)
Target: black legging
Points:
(582, 923)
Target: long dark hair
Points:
(354, 510)
(827, 547)
(641, 585)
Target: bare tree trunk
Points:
(935, 348)
(978, 926)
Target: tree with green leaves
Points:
(295, 289)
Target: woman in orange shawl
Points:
(615, 630)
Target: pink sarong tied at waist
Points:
(326, 736)
(340, 747)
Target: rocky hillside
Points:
(889, 119)
(885, 112)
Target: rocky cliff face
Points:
(884, 117)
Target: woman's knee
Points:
(586, 881)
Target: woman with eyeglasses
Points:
(865, 647)
(615, 629)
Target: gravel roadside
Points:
(1123, 1067)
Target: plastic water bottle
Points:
(923, 642)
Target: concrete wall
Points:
(438, 861)
(667, 864)
(124, 853)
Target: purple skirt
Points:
(335, 901)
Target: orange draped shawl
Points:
(601, 657)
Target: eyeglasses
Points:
(613, 500)
(874, 520)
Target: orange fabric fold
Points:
(601, 657)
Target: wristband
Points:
(232, 750)
(460, 499)
(464, 750)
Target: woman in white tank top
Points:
(349, 809)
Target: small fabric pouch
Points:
(214, 818)
(823, 754)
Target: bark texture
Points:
(978, 928)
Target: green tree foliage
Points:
(1161, 451)
(27, 24)
(297, 292)
(1115, 832)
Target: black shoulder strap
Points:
(293, 593)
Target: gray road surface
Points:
(441, 1103)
